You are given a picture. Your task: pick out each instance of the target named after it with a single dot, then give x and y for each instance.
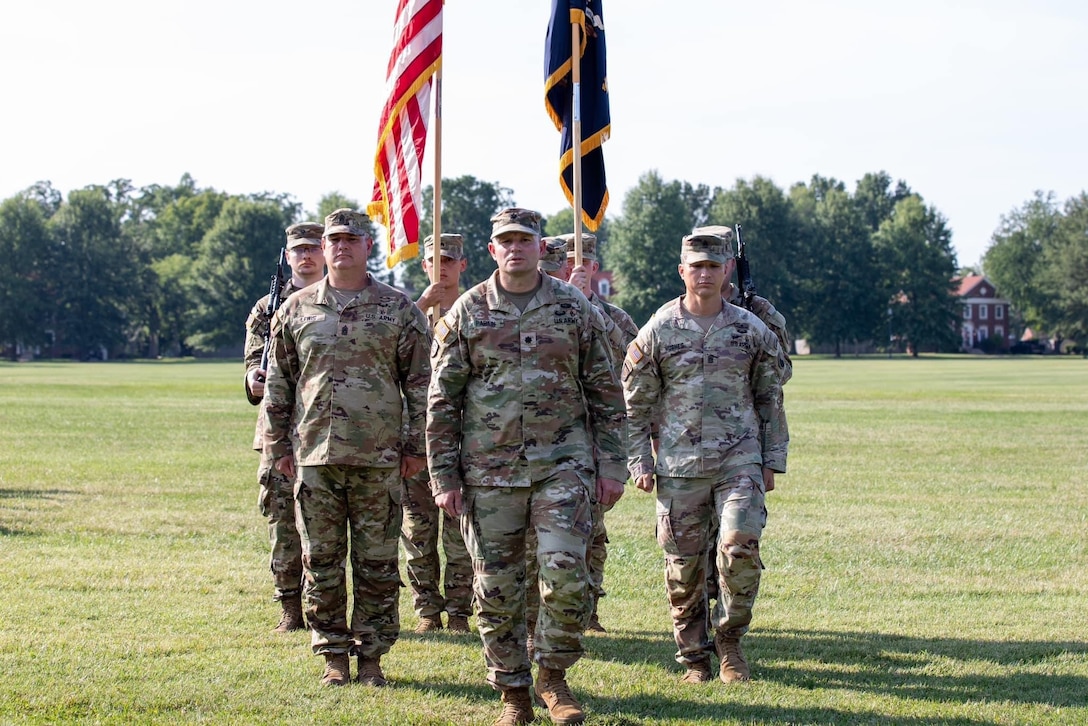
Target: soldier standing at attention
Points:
(523, 393)
(774, 320)
(423, 520)
(709, 374)
(345, 352)
(621, 333)
(276, 497)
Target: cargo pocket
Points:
(665, 538)
(396, 513)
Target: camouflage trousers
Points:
(687, 511)
(495, 521)
(419, 534)
(596, 554)
(348, 512)
(276, 502)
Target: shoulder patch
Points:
(442, 330)
(635, 356)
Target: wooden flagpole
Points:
(436, 257)
(576, 133)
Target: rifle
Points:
(744, 273)
(274, 289)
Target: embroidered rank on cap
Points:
(442, 330)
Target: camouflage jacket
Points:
(716, 397)
(341, 377)
(621, 332)
(516, 396)
(256, 326)
(774, 320)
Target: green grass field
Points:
(927, 562)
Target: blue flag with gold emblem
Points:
(593, 102)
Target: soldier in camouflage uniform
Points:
(761, 306)
(423, 520)
(276, 499)
(621, 333)
(347, 353)
(708, 374)
(523, 393)
(554, 263)
(774, 320)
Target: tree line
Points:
(173, 270)
(1038, 259)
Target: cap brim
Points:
(514, 228)
(300, 241)
(689, 257)
(343, 229)
(429, 254)
(547, 266)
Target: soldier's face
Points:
(450, 271)
(345, 251)
(703, 278)
(516, 252)
(305, 260)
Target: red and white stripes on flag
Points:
(402, 134)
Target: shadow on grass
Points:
(905, 667)
(937, 670)
(33, 493)
(38, 494)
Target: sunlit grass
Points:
(926, 560)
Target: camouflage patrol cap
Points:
(304, 233)
(515, 219)
(555, 256)
(452, 246)
(347, 221)
(589, 245)
(726, 233)
(703, 247)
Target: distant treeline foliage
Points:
(174, 270)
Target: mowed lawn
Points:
(926, 562)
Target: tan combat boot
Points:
(429, 624)
(697, 673)
(458, 625)
(291, 619)
(517, 708)
(552, 689)
(370, 672)
(733, 667)
(594, 624)
(337, 670)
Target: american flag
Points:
(402, 133)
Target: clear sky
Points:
(974, 104)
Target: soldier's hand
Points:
(580, 278)
(286, 466)
(768, 480)
(645, 482)
(255, 380)
(411, 465)
(432, 295)
(609, 491)
(450, 502)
